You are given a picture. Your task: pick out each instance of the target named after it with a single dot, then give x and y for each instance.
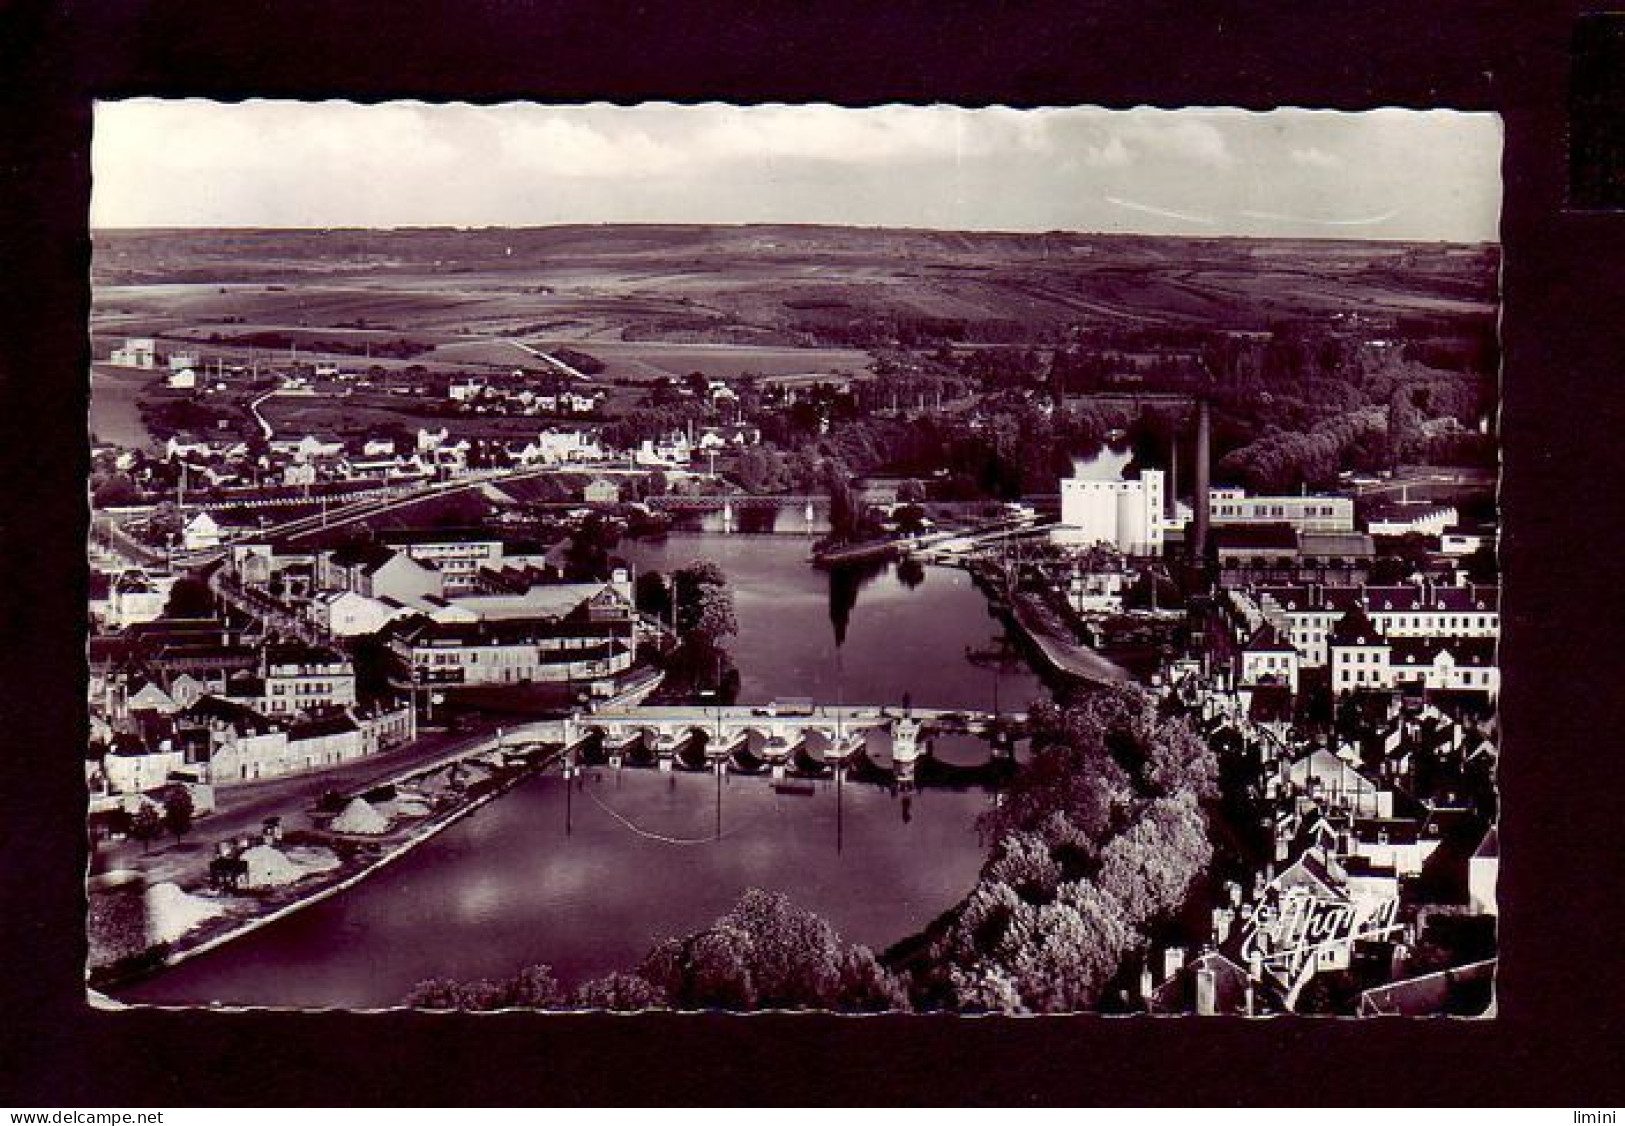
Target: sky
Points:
(1380, 174)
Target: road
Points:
(254, 409)
(557, 363)
(243, 807)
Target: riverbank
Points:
(1046, 638)
(416, 806)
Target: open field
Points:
(653, 302)
(115, 415)
(768, 287)
(653, 359)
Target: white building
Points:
(1267, 658)
(458, 557)
(1306, 614)
(202, 533)
(140, 352)
(345, 613)
(301, 679)
(1406, 517)
(1228, 505)
(589, 631)
(136, 596)
(557, 447)
(673, 450)
(1125, 514)
(135, 769)
(183, 380)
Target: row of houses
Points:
(168, 671)
(217, 741)
(1376, 888)
(463, 607)
(1416, 636)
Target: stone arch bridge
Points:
(878, 744)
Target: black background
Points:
(1557, 1040)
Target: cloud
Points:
(1175, 136)
(1315, 158)
(1113, 154)
(192, 162)
(1362, 221)
(1147, 209)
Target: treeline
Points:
(765, 953)
(1007, 450)
(1096, 843)
(834, 328)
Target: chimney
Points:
(1199, 496)
(1207, 1001)
(1171, 508)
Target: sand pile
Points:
(172, 912)
(359, 817)
(268, 868)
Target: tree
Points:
(866, 986)
(178, 810)
(533, 987)
(652, 594)
(146, 825)
(113, 490)
(765, 953)
(714, 617)
(189, 598)
(586, 559)
(165, 522)
(704, 603)
(910, 519)
(1404, 425)
(619, 993)
(793, 954)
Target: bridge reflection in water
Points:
(878, 745)
(896, 751)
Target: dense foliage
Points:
(1098, 840)
(765, 953)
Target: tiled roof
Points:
(212, 707)
(365, 554)
(1355, 628)
(1470, 652)
(1267, 639)
(1246, 537)
(1467, 990)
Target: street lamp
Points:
(569, 787)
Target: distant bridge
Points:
(738, 503)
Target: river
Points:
(508, 887)
(867, 635)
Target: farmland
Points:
(638, 305)
(771, 288)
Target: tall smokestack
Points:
(1171, 508)
(1200, 496)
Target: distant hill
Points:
(797, 285)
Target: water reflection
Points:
(844, 584)
(506, 887)
(870, 634)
